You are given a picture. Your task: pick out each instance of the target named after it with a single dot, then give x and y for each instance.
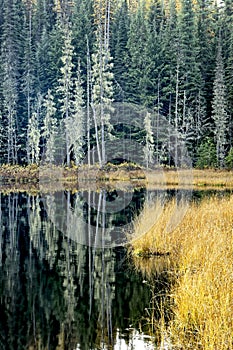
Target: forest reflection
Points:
(56, 293)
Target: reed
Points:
(201, 265)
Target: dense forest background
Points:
(61, 60)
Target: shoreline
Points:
(110, 174)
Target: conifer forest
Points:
(61, 60)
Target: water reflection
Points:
(94, 218)
(58, 294)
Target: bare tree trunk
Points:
(176, 113)
(88, 103)
(96, 133)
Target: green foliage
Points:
(154, 53)
(206, 154)
(229, 159)
(219, 105)
(120, 32)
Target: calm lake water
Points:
(66, 280)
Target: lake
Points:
(66, 278)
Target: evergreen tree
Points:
(49, 52)
(28, 64)
(119, 39)
(82, 28)
(166, 59)
(206, 154)
(33, 148)
(154, 77)
(102, 82)
(206, 24)
(66, 85)
(219, 106)
(2, 139)
(136, 78)
(149, 144)
(46, 36)
(191, 104)
(78, 118)
(227, 35)
(49, 127)
(229, 159)
(10, 50)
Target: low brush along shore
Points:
(124, 172)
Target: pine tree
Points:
(219, 106)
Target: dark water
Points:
(56, 293)
(66, 281)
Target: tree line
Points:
(63, 64)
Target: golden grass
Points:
(193, 177)
(123, 172)
(201, 262)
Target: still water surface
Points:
(66, 281)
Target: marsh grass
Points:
(194, 177)
(201, 266)
(122, 172)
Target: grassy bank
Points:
(112, 173)
(194, 177)
(52, 173)
(201, 265)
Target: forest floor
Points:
(112, 175)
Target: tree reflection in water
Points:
(56, 293)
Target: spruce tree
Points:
(219, 106)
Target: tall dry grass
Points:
(194, 177)
(201, 266)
